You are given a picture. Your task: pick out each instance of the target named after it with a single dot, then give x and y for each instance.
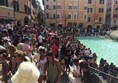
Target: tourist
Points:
(41, 60)
(40, 40)
(62, 56)
(15, 39)
(33, 37)
(86, 72)
(20, 46)
(67, 56)
(27, 48)
(20, 56)
(5, 66)
(76, 71)
(54, 49)
(53, 69)
(86, 52)
(11, 50)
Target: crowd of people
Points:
(41, 54)
(110, 69)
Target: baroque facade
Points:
(80, 13)
(22, 12)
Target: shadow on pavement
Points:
(65, 78)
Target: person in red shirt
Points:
(54, 49)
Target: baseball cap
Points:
(26, 38)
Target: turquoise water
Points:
(104, 48)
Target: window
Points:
(69, 16)
(47, 0)
(54, 0)
(53, 6)
(89, 10)
(115, 16)
(100, 19)
(75, 16)
(85, 7)
(16, 6)
(75, 7)
(116, 2)
(29, 11)
(58, 7)
(25, 8)
(4, 2)
(47, 6)
(47, 15)
(101, 10)
(58, 16)
(1, 2)
(89, 1)
(114, 21)
(69, 7)
(89, 19)
(54, 16)
(115, 9)
(101, 1)
(85, 16)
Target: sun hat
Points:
(26, 73)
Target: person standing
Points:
(20, 56)
(40, 60)
(15, 39)
(86, 72)
(40, 40)
(27, 48)
(76, 71)
(52, 69)
(54, 49)
(12, 62)
(5, 67)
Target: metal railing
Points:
(105, 76)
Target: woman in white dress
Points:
(76, 72)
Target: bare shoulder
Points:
(56, 60)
